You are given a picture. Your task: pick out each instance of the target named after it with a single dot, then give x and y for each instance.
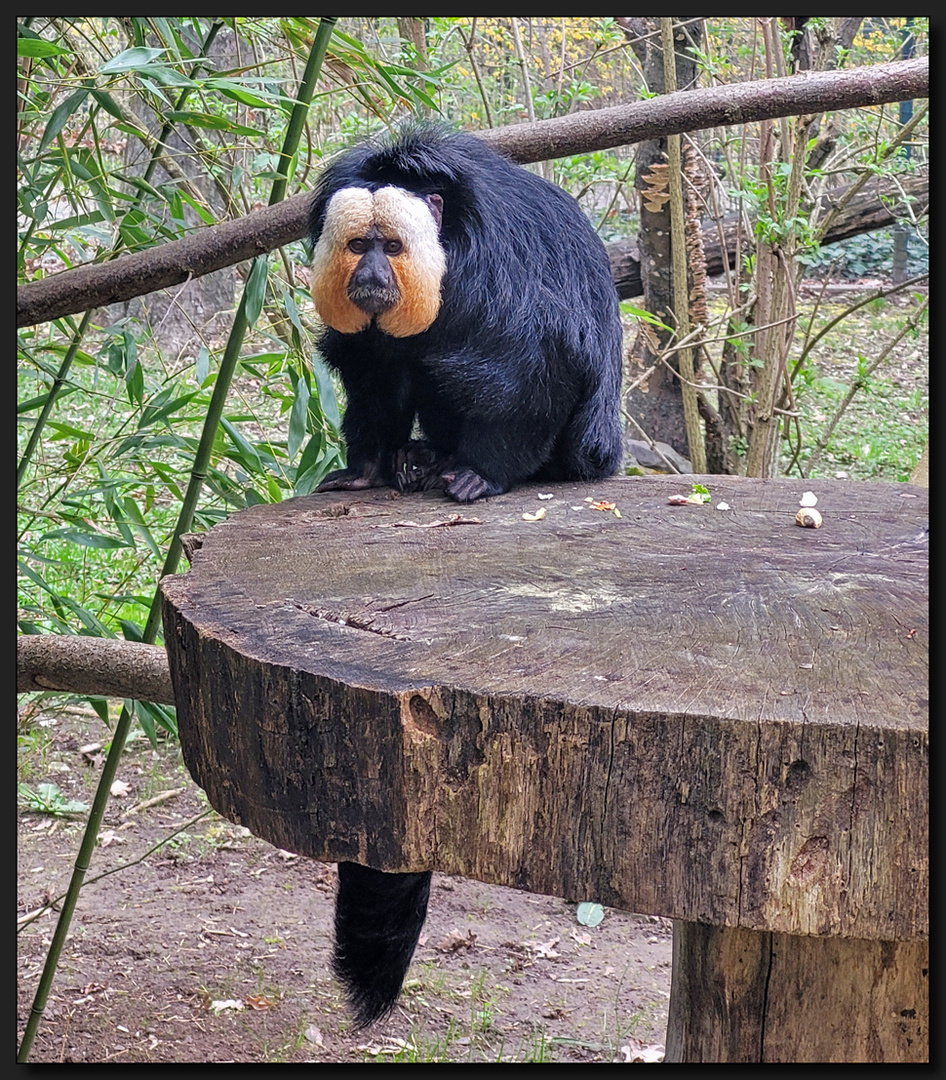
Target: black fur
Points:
(519, 376)
(378, 919)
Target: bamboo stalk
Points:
(681, 297)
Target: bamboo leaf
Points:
(256, 291)
(246, 452)
(130, 60)
(133, 513)
(85, 539)
(151, 716)
(39, 48)
(328, 401)
(258, 99)
(156, 412)
(108, 103)
(202, 365)
(316, 463)
(68, 431)
(298, 415)
(135, 383)
(205, 120)
(100, 705)
(202, 212)
(60, 115)
(40, 401)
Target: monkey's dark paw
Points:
(346, 480)
(418, 467)
(465, 485)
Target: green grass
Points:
(885, 430)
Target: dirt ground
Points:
(216, 946)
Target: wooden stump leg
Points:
(746, 995)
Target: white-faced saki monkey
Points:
(468, 295)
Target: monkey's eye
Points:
(393, 247)
(358, 246)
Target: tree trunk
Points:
(370, 678)
(414, 31)
(657, 404)
(748, 416)
(743, 995)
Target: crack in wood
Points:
(353, 622)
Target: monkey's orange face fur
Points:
(400, 224)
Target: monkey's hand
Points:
(465, 485)
(352, 479)
(418, 467)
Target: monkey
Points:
(464, 295)
(461, 292)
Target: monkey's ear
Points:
(435, 206)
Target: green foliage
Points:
(48, 799)
(869, 255)
(109, 426)
(865, 402)
(885, 426)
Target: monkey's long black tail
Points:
(378, 919)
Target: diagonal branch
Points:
(231, 242)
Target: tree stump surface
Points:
(712, 715)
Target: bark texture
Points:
(93, 665)
(743, 996)
(712, 715)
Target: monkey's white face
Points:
(412, 247)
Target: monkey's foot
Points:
(347, 480)
(466, 485)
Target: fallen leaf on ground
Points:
(455, 940)
(546, 949)
(229, 1005)
(635, 1052)
(259, 1001)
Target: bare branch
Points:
(100, 667)
(715, 106)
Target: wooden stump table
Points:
(701, 712)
